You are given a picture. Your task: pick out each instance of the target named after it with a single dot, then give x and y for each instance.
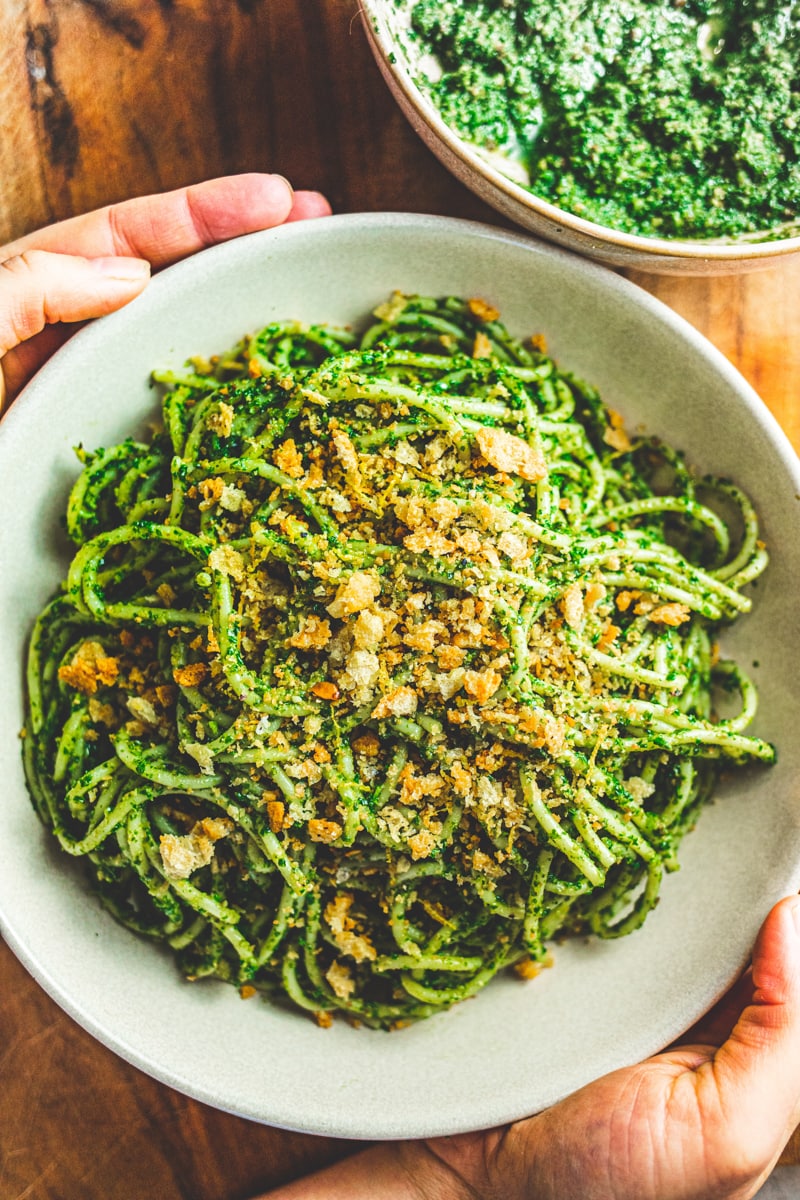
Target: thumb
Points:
(38, 288)
(760, 1061)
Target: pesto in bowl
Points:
(675, 119)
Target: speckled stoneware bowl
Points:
(518, 1046)
(386, 23)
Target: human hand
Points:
(92, 264)
(705, 1120)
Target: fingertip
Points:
(237, 204)
(271, 197)
(122, 269)
(776, 957)
(308, 206)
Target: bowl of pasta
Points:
(405, 623)
(659, 137)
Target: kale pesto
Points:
(676, 118)
(385, 660)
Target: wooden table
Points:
(105, 99)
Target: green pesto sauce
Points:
(672, 118)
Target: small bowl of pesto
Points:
(661, 136)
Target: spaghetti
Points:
(384, 662)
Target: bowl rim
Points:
(393, 65)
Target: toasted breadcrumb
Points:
(190, 675)
(324, 831)
(287, 458)
(527, 968)
(182, 855)
(367, 744)
(227, 561)
(276, 814)
(346, 452)
(615, 435)
(481, 347)
(202, 756)
(343, 928)
(354, 594)
(211, 490)
(313, 634)
(514, 546)
(342, 983)
(102, 714)
(482, 309)
(399, 702)
(368, 630)
(608, 636)
(595, 592)
(482, 684)
(670, 614)
(392, 308)
(89, 668)
(221, 421)
(509, 453)
(421, 844)
(142, 709)
(572, 606)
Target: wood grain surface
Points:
(105, 99)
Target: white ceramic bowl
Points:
(518, 1046)
(386, 23)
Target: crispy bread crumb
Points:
(506, 452)
(89, 669)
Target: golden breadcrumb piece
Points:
(615, 435)
(670, 614)
(211, 490)
(183, 854)
(227, 561)
(221, 421)
(482, 309)
(354, 594)
(481, 347)
(190, 675)
(343, 928)
(89, 668)
(481, 685)
(399, 702)
(313, 634)
(506, 452)
(287, 458)
(276, 815)
(341, 981)
(320, 830)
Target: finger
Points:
(761, 1058)
(717, 1025)
(165, 228)
(38, 288)
(308, 205)
(22, 363)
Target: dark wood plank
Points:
(77, 1121)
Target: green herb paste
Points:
(656, 117)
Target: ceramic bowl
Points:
(519, 1045)
(397, 55)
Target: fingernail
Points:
(794, 907)
(286, 181)
(127, 270)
